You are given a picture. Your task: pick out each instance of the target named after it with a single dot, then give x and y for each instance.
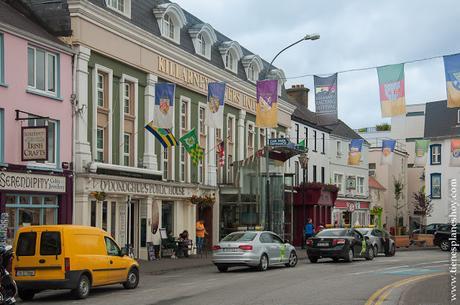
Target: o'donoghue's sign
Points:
(33, 183)
(34, 143)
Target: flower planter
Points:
(425, 239)
(402, 241)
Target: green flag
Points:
(301, 145)
(191, 145)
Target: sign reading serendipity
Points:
(34, 143)
(30, 182)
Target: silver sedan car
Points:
(259, 249)
(376, 239)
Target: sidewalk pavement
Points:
(167, 264)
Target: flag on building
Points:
(221, 154)
(215, 109)
(301, 145)
(455, 152)
(163, 111)
(392, 94)
(354, 156)
(164, 135)
(388, 147)
(421, 149)
(191, 145)
(267, 104)
(326, 98)
(452, 70)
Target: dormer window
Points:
(171, 19)
(203, 37)
(253, 65)
(120, 6)
(230, 61)
(231, 54)
(201, 45)
(168, 27)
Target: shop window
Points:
(167, 216)
(42, 71)
(143, 233)
(93, 213)
(104, 216)
(53, 139)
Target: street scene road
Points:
(323, 283)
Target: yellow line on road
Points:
(380, 295)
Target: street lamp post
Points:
(267, 163)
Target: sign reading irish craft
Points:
(34, 143)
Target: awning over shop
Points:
(351, 204)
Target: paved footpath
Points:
(324, 283)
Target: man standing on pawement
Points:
(200, 233)
(309, 229)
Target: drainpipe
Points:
(74, 103)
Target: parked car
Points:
(429, 229)
(339, 244)
(260, 249)
(376, 239)
(442, 236)
(69, 257)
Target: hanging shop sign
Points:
(351, 183)
(32, 183)
(34, 143)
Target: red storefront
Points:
(351, 212)
(311, 202)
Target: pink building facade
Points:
(35, 91)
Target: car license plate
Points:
(25, 273)
(322, 244)
(230, 249)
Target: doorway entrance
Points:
(133, 227)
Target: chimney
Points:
(298, 94)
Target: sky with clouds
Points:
(354, 34)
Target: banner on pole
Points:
(421, 149)
(452, 70)
(391, 86)
(191, 145)
(455, 152)
(326, 98)
(215, 109)
(388, 147)
(267, 104)
(163, 111)
(354, 156)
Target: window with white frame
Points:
(169, 29)
(200, 171)
(250, 137)
(296, 173)
(202, 118)
(435, 154)
(183, 117)
(128, 96)
(296, 126)
(314, 140)
(126, 150)
(339, 148)
(184, 111)
(230, 168)
(121, 6)
(230, 61)
(253, 73)
(42, 70)
(100, 139)
(202, 45)
(182, 168)
(306, 137)
(323, 143)
(230, 128)
(436, 186)
(262, 138)
(101, 84)
(53, 131)
(360, 185)
(338, 181)
(165, 164)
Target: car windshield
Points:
(241, 236)
(333, 232)
(364, 231)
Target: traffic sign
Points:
(276, 142)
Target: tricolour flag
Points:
(326, 98)
(267, 104)
(421, 149)
(452, 70)
(455, 152)
(164, 135)
(191, 145)
(388, 147)
(215, 109)
(221, 153)
(392, 95)
(354, 156)
(163, 111)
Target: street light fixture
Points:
(267, 163)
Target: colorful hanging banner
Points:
(267, 105)
(326, 98)
(392, 95)
(354, 156)
(388, 147)
(452, 70)
(215, 109)
(421, 149)
(455, 152)
(163, 135)
(190, 142)
(221, 154)
(163, 112)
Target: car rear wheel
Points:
(370, 254)
(313, 259)
(133, 279)
(349, 257)
(26, 295)
(83, 287)
(263, 265)
(222, 268)
(292, 260)
(445, 245)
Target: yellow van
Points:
(69, 257)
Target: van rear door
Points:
(51, 256)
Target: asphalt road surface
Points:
(381, 281)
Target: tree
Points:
(398, 194)
(423, 205)
(383, 127)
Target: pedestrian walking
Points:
(200, 234)
(309, 229)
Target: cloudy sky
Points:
(354, 34)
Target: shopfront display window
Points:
(29, 210)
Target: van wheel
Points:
(132, 280)
(26, 295)
(83, 287)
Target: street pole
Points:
(267, 162)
